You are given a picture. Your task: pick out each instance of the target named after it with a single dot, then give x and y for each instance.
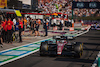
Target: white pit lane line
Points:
(83, 32)
(22, 55)
(27, 53)
(18, 57)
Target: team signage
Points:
(18, 13)
(3, 3)
(87, 5)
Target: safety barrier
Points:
(97, 61)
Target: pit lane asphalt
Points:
(91, 42)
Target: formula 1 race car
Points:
(60, 45)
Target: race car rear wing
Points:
(60, 37)
(63, 37)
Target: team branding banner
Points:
(3, 3)
(87, 5)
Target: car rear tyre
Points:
(43, 48)
(78, 49)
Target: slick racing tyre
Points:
(43, 48)
(78, 48)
